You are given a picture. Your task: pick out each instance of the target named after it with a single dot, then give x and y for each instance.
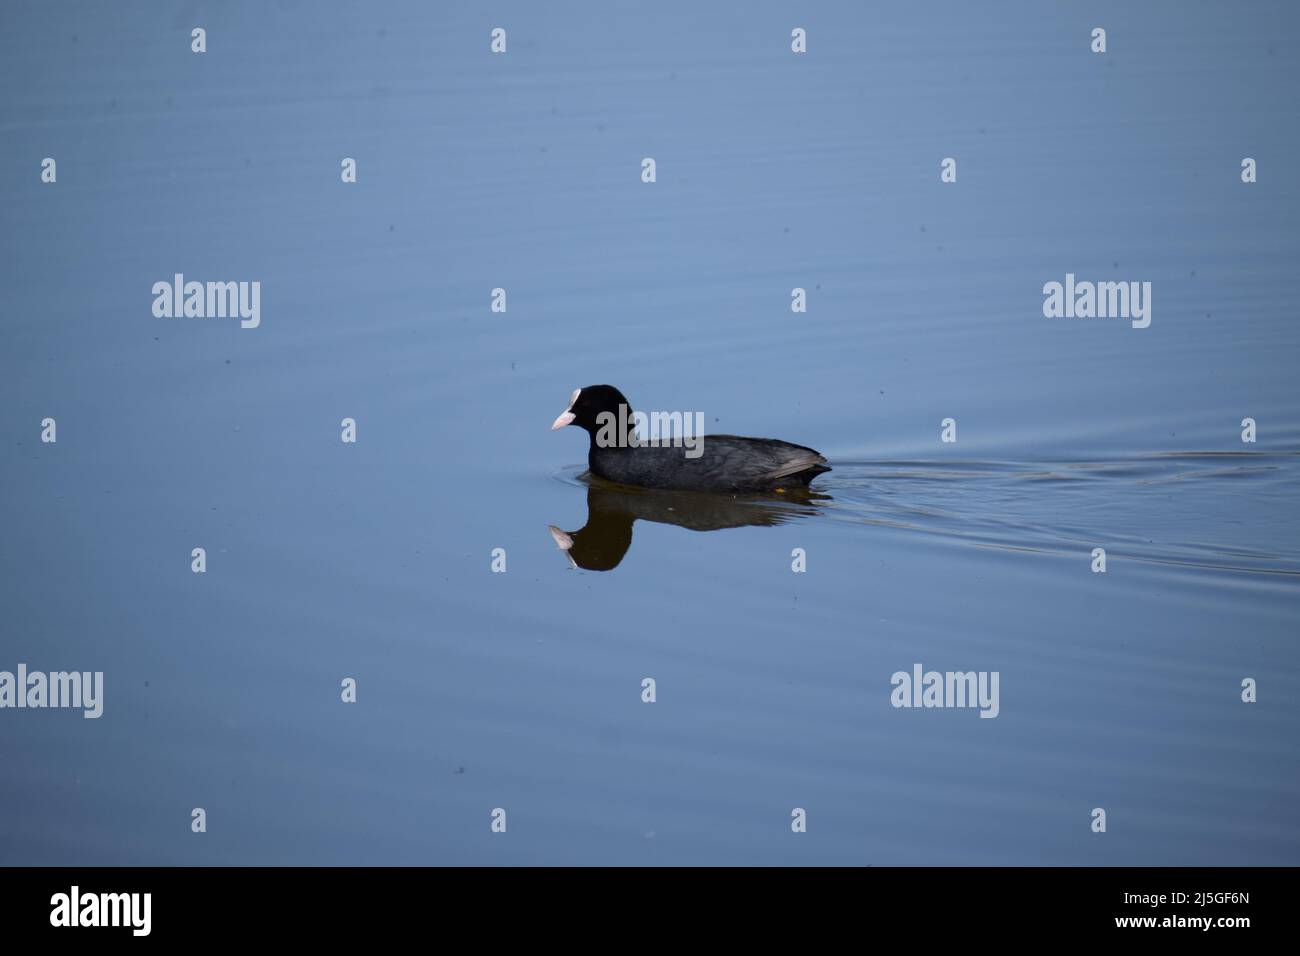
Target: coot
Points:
(718, 463)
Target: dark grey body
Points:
(728, 463)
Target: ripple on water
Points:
(1175, 509)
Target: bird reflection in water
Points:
(611, 510)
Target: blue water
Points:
(522, 691)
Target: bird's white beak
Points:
(568, 416)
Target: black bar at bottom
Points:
(234, 904)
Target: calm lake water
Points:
(479, 690)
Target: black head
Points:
(586, 405)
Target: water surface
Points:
(522, 690)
